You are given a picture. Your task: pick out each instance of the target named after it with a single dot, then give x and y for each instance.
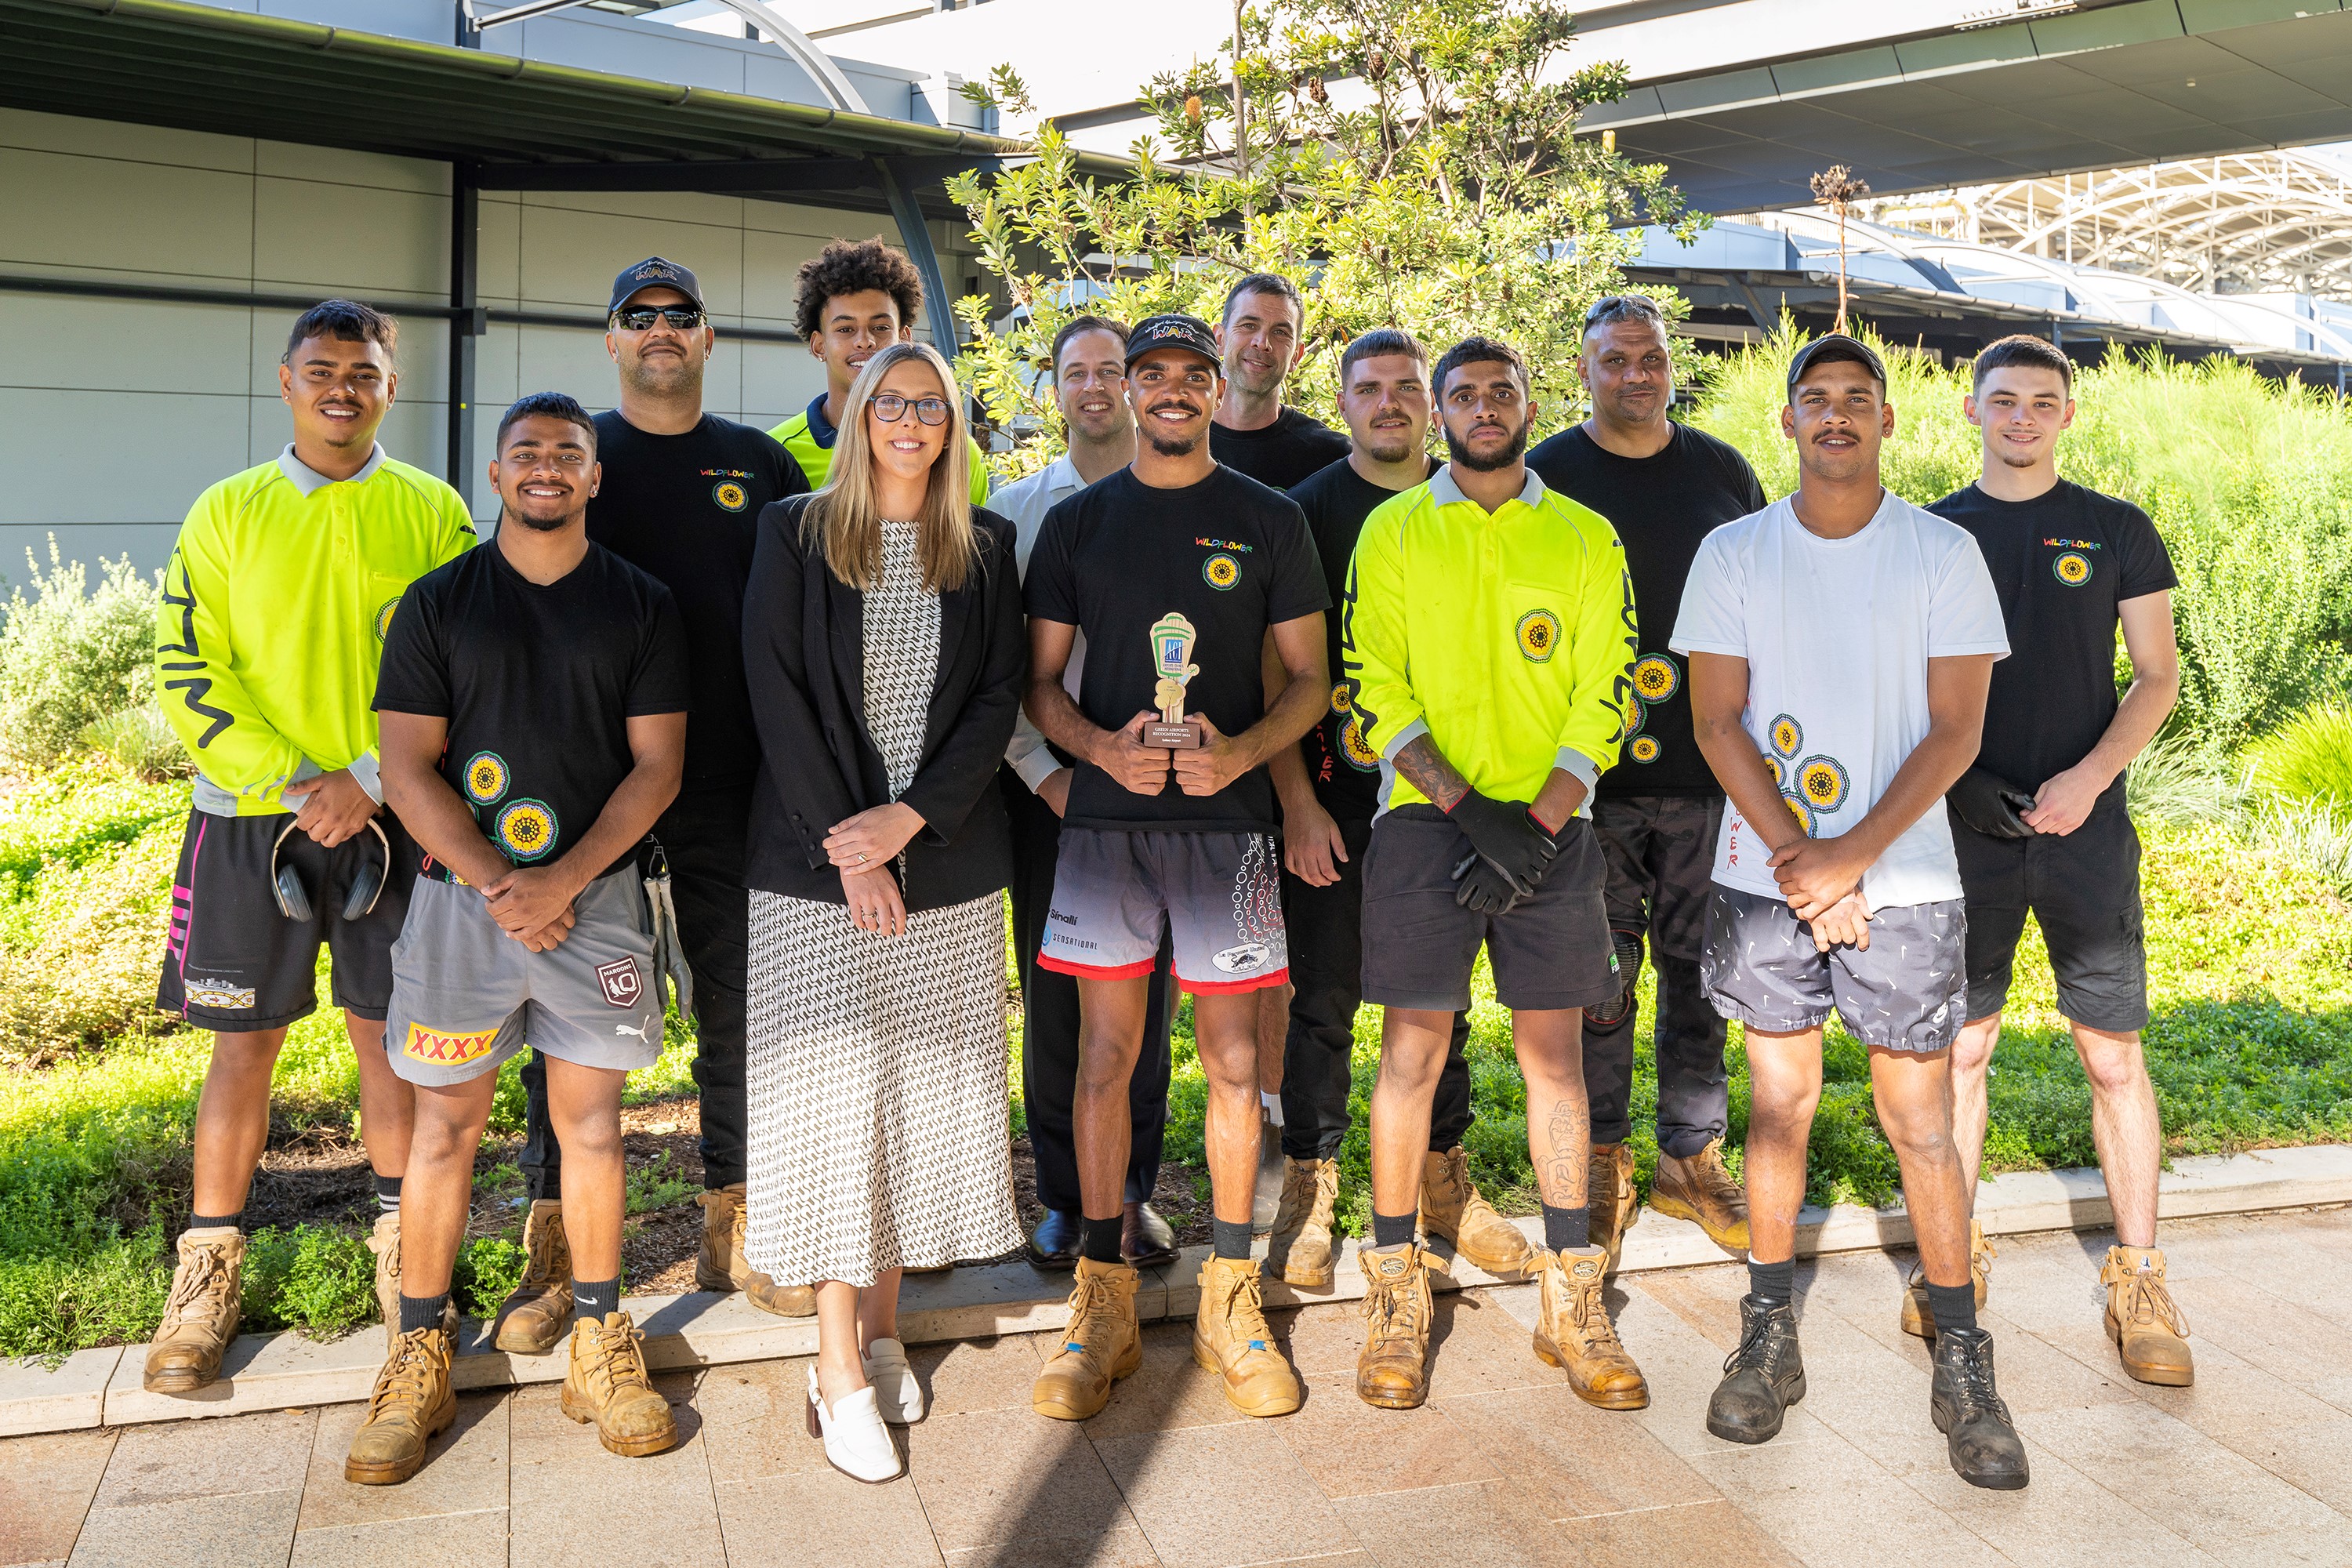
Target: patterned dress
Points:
(877, 1064)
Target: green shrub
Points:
(141, 740)
(2309, 759)
(2313, 834)
(2174, 781)
(488, 1267)
(70, 656)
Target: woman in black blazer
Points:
(886, 651)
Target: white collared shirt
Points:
(1026, 502)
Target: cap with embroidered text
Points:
(654, 270)
(1173, 332)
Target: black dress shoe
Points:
(1145, 1239)
(1054, 1243)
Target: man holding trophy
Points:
(1175, 569)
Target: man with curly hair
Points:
(856, 298)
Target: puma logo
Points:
(630, 1029)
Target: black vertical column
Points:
(938, 305)
(466, 322)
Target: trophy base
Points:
(1174, 737)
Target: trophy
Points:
(1171, 652)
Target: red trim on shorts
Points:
(1096, 971)
(1222, 987)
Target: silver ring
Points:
(861, 859)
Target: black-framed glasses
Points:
(888, 408)
(1611, 304)
(641, 318)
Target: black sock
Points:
(218, 1222)
(1100, 1239)
(1394, 1229)
(596, 1299)
(421, 1311)
(1229, 1238)
(1566, 1228)
(1772, 1281)
(387, 1194)
(1953, 1306)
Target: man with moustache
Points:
(1487, 637)
(1175, 569)
(680, 499)
(1330, 795)
(1089, 360)
(1663, 486)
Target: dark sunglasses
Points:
(684, 318)
(1611, 302)
(888, 408)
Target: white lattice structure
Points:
(2244, 223)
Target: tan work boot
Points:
(1392, 1369)
(1613, 1203)
(1230, 1338)
(1916, 1318)
(384, 1242)
(532, 1317)
(2147, 1324)
(1573, 1332)
(1302, 1249)
(1700, 1189)
(607, 1384)
(412, 1400)
(1451, 1208)
(722, 1265)
(1101, 1345)
(200, 1316)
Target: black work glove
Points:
(1479, 887)
(1506, 833)
(1990, 804)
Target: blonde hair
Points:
(845, 514)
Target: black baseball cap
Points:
(1173, 331)
(1848, 349)
(653, 270)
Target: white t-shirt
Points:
(1837, 633)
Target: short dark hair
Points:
(1379, 340)
(345, 320)
(1077, 324)
(1476, 349)
(547, 405)
(852, 267)
(2023, 349)
(1264, 283)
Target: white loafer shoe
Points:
(856, 1443)
(895, 1388)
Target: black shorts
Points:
(233, 962)
(2083, 889)
(1550, 952)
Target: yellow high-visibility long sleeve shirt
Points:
(1507, 639)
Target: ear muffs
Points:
(293, 899)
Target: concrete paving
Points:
(1503, 1467)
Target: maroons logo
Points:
(384, 618)
(526, 829)
(1645, 748)
(1821, 781)
(486, 777)
(1801, 811)
(1788, 736)
(1356, 749)
(1635, 715)
(1655, 678)
(731, 496)
(1772, 766)
(1221, 572)
(2073, 568)
(1539, 635)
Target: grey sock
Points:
(1566, 1228)
(1230, 1238)
(422, 1311)
(1953, 1306)
(596, 1299)
(1394, 1229)
(1772, 1281)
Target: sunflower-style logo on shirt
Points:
(730, 496)
(1356, 749)
(527, 830)
(1772, 766)
(1822, 782)
(1645, 748)
(1538, 635)
(1788, 736)
(2073, 568)
(1800, 810)
(486, 777)
(384, 618)
(1340, 704)
(1221, 572)
(1655, 678)
(1635, 716)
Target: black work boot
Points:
(1970, 1412)
(1760, 1379)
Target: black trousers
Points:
(1049, 1025)
(1660, 851)
(703, 834)
(1326, 928)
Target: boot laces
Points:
(196, 1288)
(616, 1356)
(2146, 1300)
(1393, 1309)
(407, 1377)
(1091, 1300)
(1245, 1307)
(540, 1269)
(1973, 1394)
(1300, 1188)
(1761, 1347)
(1584, 1307)
(1714, 1177)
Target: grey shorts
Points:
(1218, 895)
(1550, 952)
(1906, 992)
(465, 996)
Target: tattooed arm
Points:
(1426, 769)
